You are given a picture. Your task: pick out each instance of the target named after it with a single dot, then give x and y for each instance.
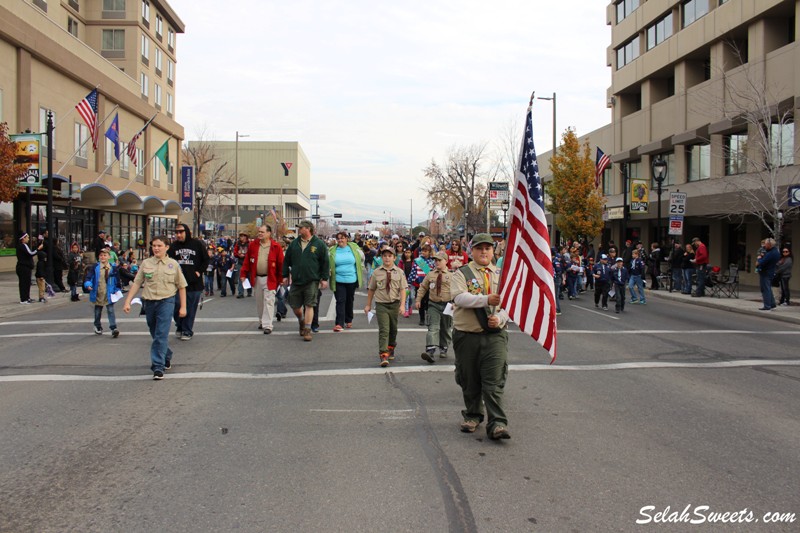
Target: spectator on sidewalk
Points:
(676, 264)
(700, 263)
(766, 264)
(687, 269)
(25, 267)
(783, 271)
(75, 272)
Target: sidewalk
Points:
(748, 302)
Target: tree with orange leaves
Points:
(10, 172)
(573, 199)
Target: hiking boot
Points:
(384, 359)
(302, 327)
(428, 356)
(391, 352)
(307, 334)
(469, 426)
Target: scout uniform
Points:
(440, 326)
(481, 352)
(388, 285)
(160, 280)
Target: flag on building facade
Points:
(601, 164)
(112, 134)
(526, 285)
(163, 155)
(87, 109)
(274, 214)
(132, 154)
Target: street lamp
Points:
(504, 206)
(553, 98)
(236, 174)
(198, 196)
(659, 173)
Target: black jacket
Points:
(191, 254)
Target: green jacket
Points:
(306, 265)
(357, 253)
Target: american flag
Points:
(526, 284)
(87, 109)
(602, 163)
(132, 145)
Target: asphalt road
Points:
(667, 405)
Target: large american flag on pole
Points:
(526, 284)
(132, 154)
(87, 109)
(602, 163)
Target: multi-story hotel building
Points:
(682, 74)
(52, 54)
(271, 175)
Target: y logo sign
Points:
(286, 168)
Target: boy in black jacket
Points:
(191, 255)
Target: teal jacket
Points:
(359, 264)
(306, 265)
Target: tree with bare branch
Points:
(764, 157)
(458, 184)
(214, 178)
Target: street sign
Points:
(794, 195)
(498, 194)
(315, 217)
(676, 225)
(317, 197)
(615, 213)
(337, 215)
(677, 203)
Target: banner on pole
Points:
(29, 153)
(187, 188)
(640, 196)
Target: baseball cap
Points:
(481, 238)
(387, 250)
(441, 256)
(619, 259)
(603, 256)
(421, 233)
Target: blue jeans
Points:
(701, 280)
(636, 284)
(677, 277)
(572, 283)
(556, 288)
(112, 318)
(186, 324)
(765, 282)
(209, 285)
(159, 317)
(686, 288)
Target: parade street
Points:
(666, 413)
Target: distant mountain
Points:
(377, 213)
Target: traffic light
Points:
(367, 222)
(385, 222)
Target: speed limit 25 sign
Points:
(677, 203)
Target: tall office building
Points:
(52, 55)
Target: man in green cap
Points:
(480, 340)
(306, 259)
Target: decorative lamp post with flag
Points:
(659, 174)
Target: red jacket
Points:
(701, 255)
(274, 264)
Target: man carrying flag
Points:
(87, 109)
(112, 134)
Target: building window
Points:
(124, 160)
(157, 94)
(113, 5)
(145, 48)
(781, 140)
(693, 10)
(74, 4)
(659, 32)
(606, 177)
(159, 26)
(170, 104)
(627, 52)
(139, 161)
(625, 8)
(158, 60)
(146, 12)
(157, 171)
(113, 40)
(81, 143)
(699, 159)
(72, 26)
(41, 4)
(170, 71)
(170, 39)
(43, 127)
(634, 169)
(735, 154)
(669, 179)
(145, 81)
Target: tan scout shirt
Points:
(429, 286)
(397, 290)
(472, 289)
(262, 265)
(160, 278)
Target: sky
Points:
(373, 90)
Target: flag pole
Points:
(84, 142)
(145, 165)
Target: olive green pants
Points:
(481, 371)
(440, 326)
(387, 324)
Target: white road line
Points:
(331, 315)
(601, 313)
(642, 365)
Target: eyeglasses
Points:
(786, 251)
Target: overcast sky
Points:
(374, 90)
